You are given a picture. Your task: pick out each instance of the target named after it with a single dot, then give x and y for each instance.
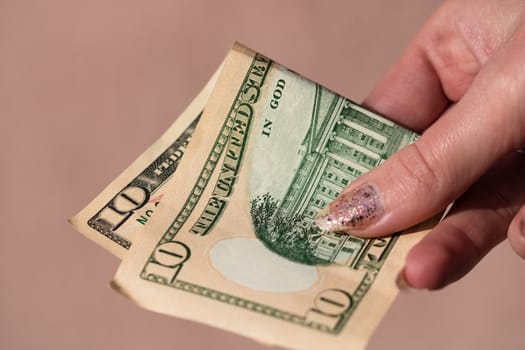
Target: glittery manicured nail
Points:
(354, 210)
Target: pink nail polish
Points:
(353, 210)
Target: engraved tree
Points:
(290, 236)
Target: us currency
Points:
(129, 201)
(237, 247)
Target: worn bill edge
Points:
(182, 122)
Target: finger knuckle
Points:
(418, 172)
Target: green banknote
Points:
(233, 242)
(113, 218)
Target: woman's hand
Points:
(462, 82)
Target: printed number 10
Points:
(329, 307)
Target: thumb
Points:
(420, 180)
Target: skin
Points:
(461, 82)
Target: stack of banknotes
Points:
(214, 222)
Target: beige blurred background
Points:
(85, 86)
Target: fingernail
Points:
(402, 283)
(354, 210)
(522, 226)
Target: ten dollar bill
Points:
(129, 201)
(233, 244)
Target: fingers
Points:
(441, 62)
(420, 180)
(516, 233)
(413, 75)
(435, 70)
(476, 224)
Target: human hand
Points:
(462, 82)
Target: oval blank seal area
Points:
(246, 261)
